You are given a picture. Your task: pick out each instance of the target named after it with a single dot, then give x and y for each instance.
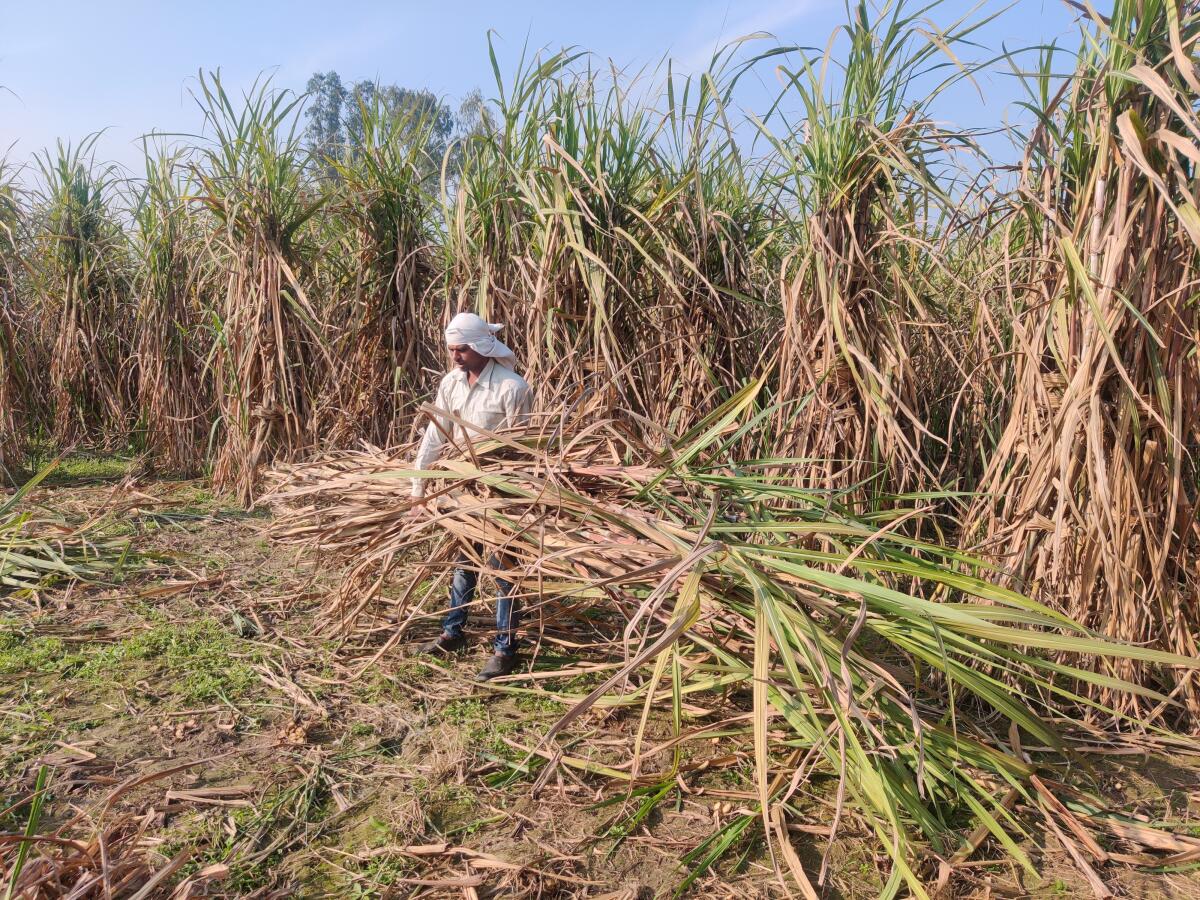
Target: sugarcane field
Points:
(695, 450)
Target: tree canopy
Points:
(335, 111)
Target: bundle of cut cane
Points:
(39, 549)
(889, 663)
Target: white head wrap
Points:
(480, 336)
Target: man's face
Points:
(467, 359)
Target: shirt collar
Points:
(486, 376)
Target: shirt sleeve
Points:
(517, 406)
(432, 441)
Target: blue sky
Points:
(72, 68)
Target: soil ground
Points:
(298, 764)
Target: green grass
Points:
(198, 498)
(451, 809)
(29, 723)
(24, 653)
(464, 712)
(413, 671)
(86, 468)
(219, 841)
(201, 660)
(254, 841)
(378, 687)
(373, 877)
(539, 705)
(482, 731)
(379, 874)
(193, 663)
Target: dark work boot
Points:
(443, 645)
(499, 664)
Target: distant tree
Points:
(474, 119)
(327, 101)
(335, 114)
(417, 105)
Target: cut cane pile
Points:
(848, 649)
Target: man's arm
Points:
(517, 406)
(432, 441)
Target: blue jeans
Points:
(462, 592)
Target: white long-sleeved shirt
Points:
(500, 398)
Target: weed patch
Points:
(202, 657)
(23, 653)
(86, 468)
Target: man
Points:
(482, 390)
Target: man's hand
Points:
(417, 511)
